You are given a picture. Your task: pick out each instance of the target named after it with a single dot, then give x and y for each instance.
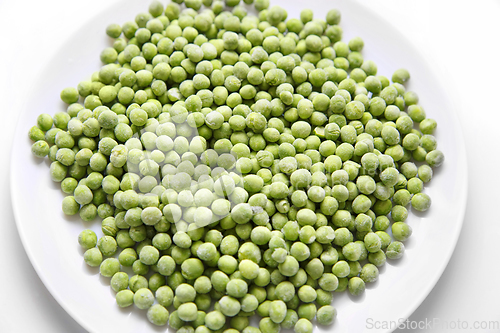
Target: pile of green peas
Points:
(240, 164)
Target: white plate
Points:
(50, 239)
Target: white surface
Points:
(86, 295)
(458, 293)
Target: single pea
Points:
(69, 95)
(395, 250)
(215, 320)
(188, 311)
(127, 257)
(421, 202)
(149, 255)
(425, 173)
(87, 239)
(93, 257)
(303, 326)
(119, 281)
(356, 286)
(415, 185)
(107, 245)
(109, 267)
(125, 298)
(369, 273)
(70, 206)
(158, 315)
(326, 315)
(401, 231)
(400, 76)
(143, 298)
(44, 122)
(137, 282)
(40, 148)
(229, 306)
(434, 158)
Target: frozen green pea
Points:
(266, 325)
(377, 258)
(188, 311)
(143, 298)
(307, 294)
(109, 267)
(158, 315)
(70, 206)
(119, 281)
(395, 250)
(434, 158)
(303, 326)
(242, 213)
(399, 213)
(164, 295)
(107, 245)
(215, 320)
(127, 257)
(341, 269)
(328, 282)
(356, 286)
(45, 122)
(192, 268)
(93, 257)
(36, 134)
(289, 267)
(174, 321)
(149, 255)
(400, 76)
(277, 311)
(326, 315)
(202, 285)
(369, 273)
(125, 298)
(300, 251)
(260, 235)
(416, 113)
(58, 171)
(40, 148)
(248, 269)
(351, 251)
(421, 202)
(229, 306)
(415, 185)
(325, 234)
(87, 239)
(401, 231)
(425, 173)
(372, 242)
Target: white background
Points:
(460, 40)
